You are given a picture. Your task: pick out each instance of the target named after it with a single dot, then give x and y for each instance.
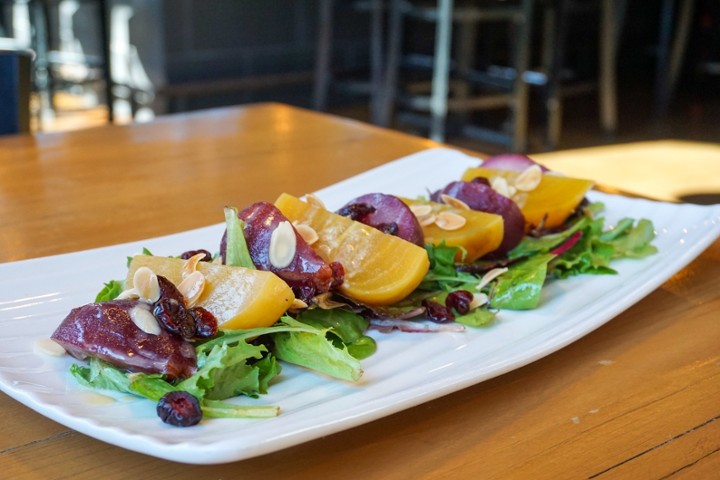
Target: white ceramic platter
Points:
(408, 369)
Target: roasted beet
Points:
(510, 161)
(106, 331)
(307, 274)
(388, 214)
(483, 198)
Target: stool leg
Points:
(522, 64)
(441, 71)
(609, 31)
(104, 14)
(677, 53)
(322, 55)
(388, 94)
(376, 60)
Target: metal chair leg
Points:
(523, 27)
(323, 54)
(441, 71)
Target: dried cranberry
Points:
(206, 324)
(338, 274)
(169, 290)
(173, 317)
(179, 409)
(192, 253)
(438, 313)
(481, 181)
(356, 211)
(389, 228)
(460, 301)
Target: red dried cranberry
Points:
(356, 211)
(338, 274)
(460, 301)
(191, 253)
(389, 228)
(206, 324)
(169, 290)
(179, 409)
(481, 181)
(438, 313)
(173, 317)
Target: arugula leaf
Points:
(110, 291)
(478, 317)
(442, 274)
(236, 250)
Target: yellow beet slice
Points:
(555, 197)
(379, 269)
(238, 297)
(481, 234)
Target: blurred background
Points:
(591, 72)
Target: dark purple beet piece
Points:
(483, 198)
(389, 211)
(106, 331)
(510, 161)
(308, 274)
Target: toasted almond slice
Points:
(143, 318)
(450, 221)
(490, 276)
(298, 304)
(454, 202)
(129, 294)
(48, 346)
(426, 220)
(146, 284)
(529, 179)
(500, 185)
(325, 301)
(306, 232)
(192, 287)
(421, 210)
(191, 264)
(283, 244)
(313, 199)
(520, 199)
(479, 299)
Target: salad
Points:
(295, 283)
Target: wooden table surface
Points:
(638, 398)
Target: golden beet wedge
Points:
(554, 199)
(380, 269)
(480, 234)
(238, 297)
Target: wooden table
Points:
(637, 398)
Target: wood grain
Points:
(637, 398)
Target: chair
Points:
(559, 14)
(15, 85)
(456, 85)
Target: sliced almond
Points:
(529, 179)
(490, 276)
(146, 284)
(191, 264)
(143, 318)
(421, 210)
(129, 294)
(325, 302)
(479, 299)
(192, 287)
(520, 199)
(500, 185)
(306, 232)
(426, 220)
(454, 202)
(450, 221)
(312, 199)
(298, 304)
(283, 244)
(48, 346)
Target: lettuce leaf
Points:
(346, 328)
(236, 249)
(521, 286)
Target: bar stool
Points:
(15, 85)
(558, 15)
(509, 84)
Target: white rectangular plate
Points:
(408, 369)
